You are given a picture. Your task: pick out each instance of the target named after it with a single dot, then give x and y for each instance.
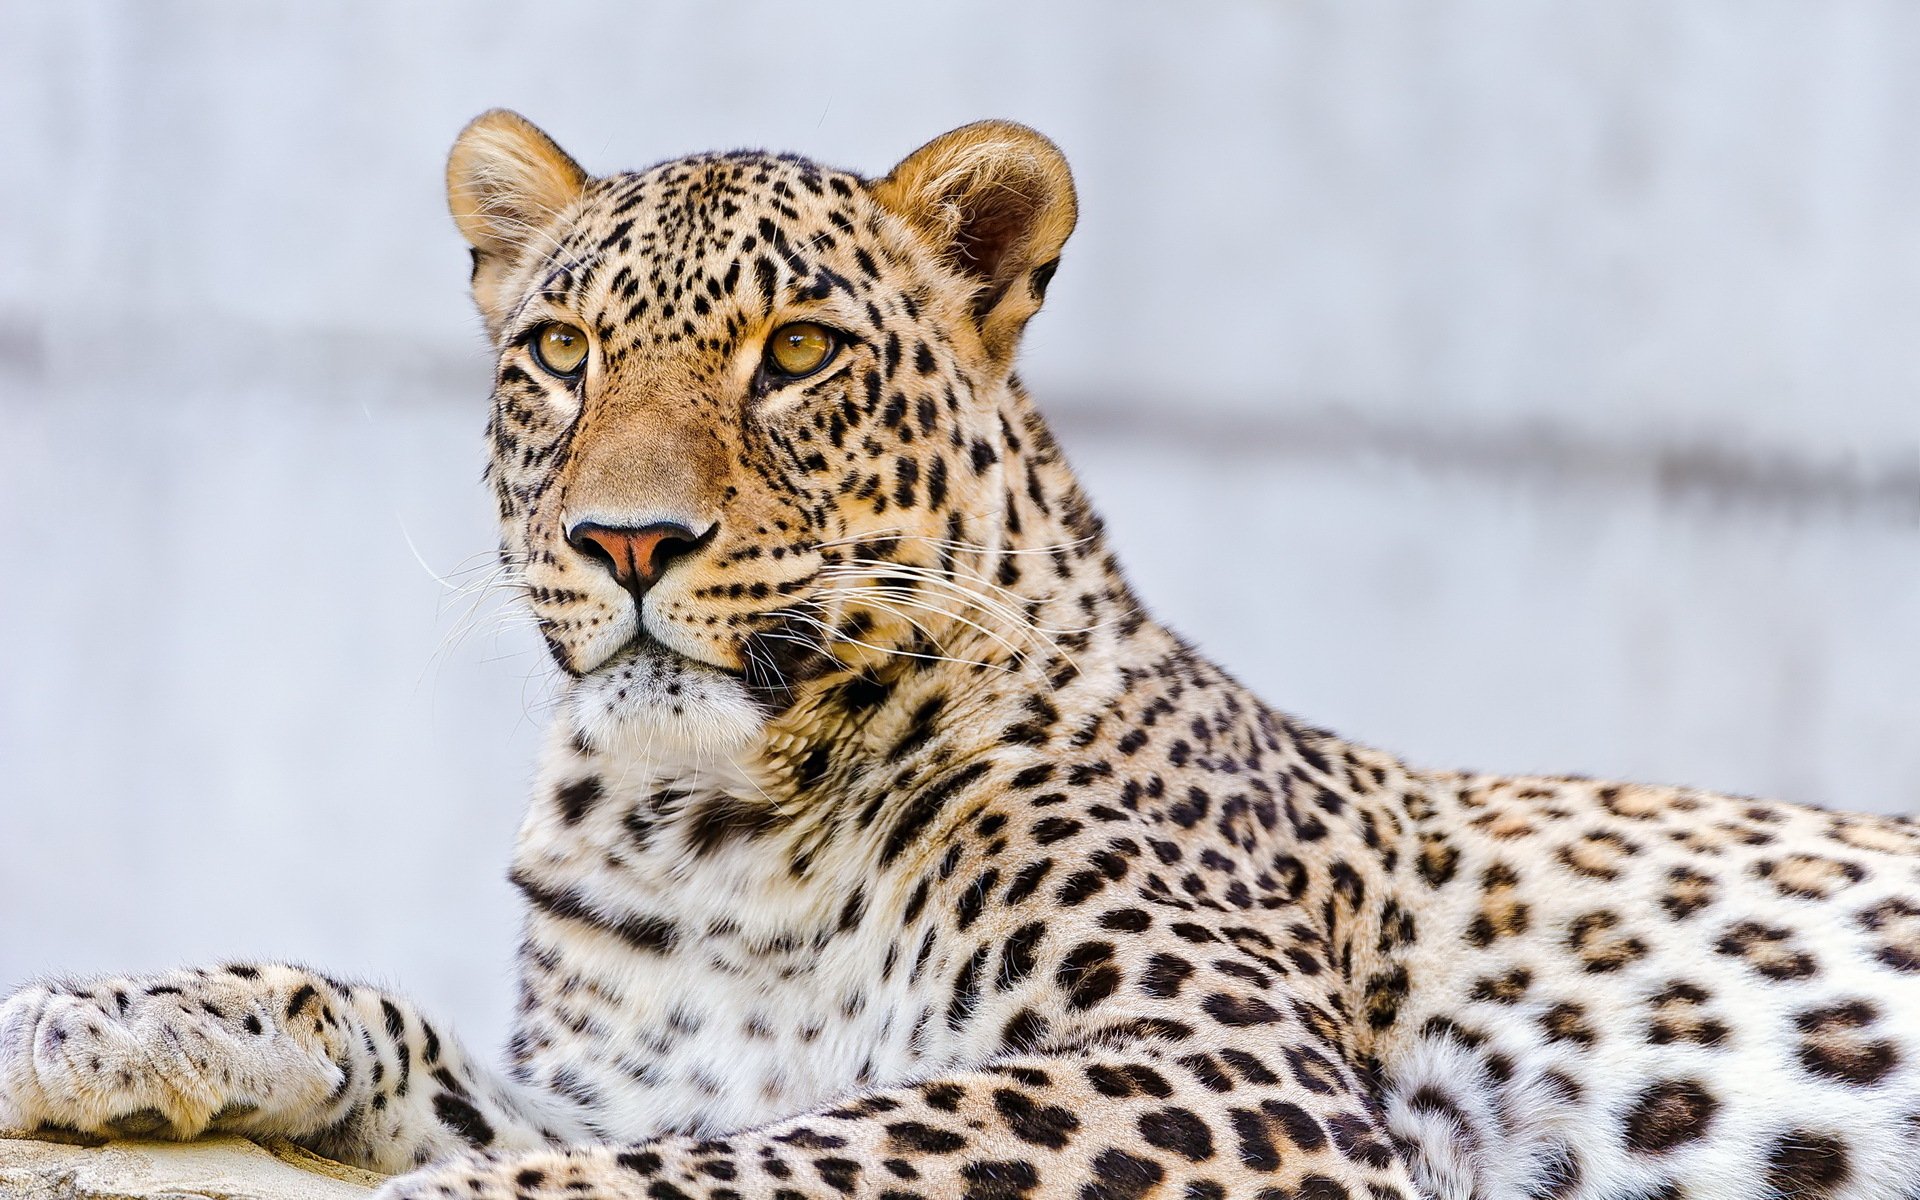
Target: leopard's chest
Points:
(667, 988)
(716, 1038)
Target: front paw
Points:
(168, 1055)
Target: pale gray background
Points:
(1531, 386)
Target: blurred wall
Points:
(1529, 387)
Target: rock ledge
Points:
(48, 1167)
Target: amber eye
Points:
(561, 348)
(800, 349)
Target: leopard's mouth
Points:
(646, 643)
(644, 639)
(659, 673)
(658, 660)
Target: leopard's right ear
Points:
(506, 184)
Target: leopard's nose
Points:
(636, 556)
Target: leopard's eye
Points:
(560, 347)
(800, 349)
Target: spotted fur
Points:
(885, 847)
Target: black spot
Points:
(1256, 1144)
(921, 725)
(1178, 1130)
(814, 766)
(1439, 860)
(840, 1174)
(1191, 811)
(966, 988)
(1567, 1022)
(1024, 1031)
(1164, 975)
(974, 899)
(1029, 879)
(643, 1162)
(715, 823)
(1356, 1138)
(943, 1097)
(1248, 1067)
(916, 901)
(1767, 949)
(1296, 1122)
(1669, 1114)
(1229, 1009)
(462, 1118)
(996, 1180)
(906, 476)
(1052, 829)
(1088, 974)
(574, 799)
(1313, 1071)
(1834, 1045)
(1126, 920)
(1118, 1175)
(1384, 995)
(1807, 1166)
(1206, 1069)
(1080, 886)
(854, 910)
(1041, 1124)
(656, 935)
(1018, 956)
(926, 1139)
(864, 693)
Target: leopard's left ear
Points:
(506, 183)
(995, 200)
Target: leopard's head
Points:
(748, 410)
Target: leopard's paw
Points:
(167, 1055)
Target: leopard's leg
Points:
(344, 1069)
(1089, 1125)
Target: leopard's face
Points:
(742, 402)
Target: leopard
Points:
(885, 847)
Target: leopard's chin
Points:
(651, 700)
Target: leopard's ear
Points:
(506, 182)
(995, 200)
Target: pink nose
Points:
(635, 557)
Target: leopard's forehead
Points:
(667, 249)
(680, 214)
(706, 196)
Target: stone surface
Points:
(217, 1168)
